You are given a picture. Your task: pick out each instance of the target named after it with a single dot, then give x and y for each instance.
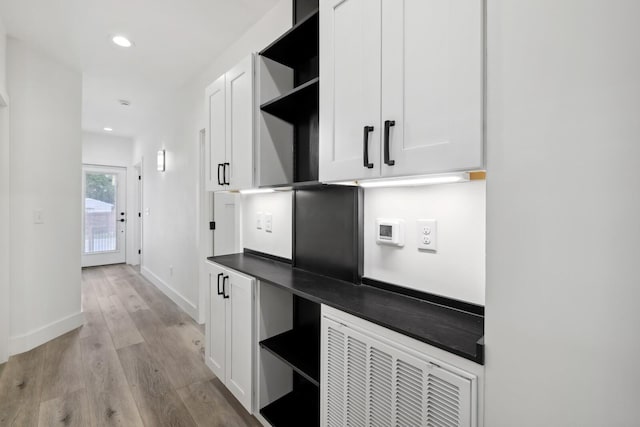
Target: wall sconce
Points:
(161, 161)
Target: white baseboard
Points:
(174, 295)
(21, 343)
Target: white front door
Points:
(104, 215)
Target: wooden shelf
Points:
(300, 349)
(296, 103)
(296, 46)
(301, 407)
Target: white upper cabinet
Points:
(411, 69)
(350, 89)
(230, 124)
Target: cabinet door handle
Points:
(224, 174)
(365, 147)
(224, 287)
(387, 125)
(219, 180)
(219, 276)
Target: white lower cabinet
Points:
(229, 331)
(372, 376)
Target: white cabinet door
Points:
(215, 146)
(350, 89)
(239, 137)
(216, 321)
(432, 85)
(240, 338)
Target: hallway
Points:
(138, 360)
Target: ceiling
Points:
(174, 40)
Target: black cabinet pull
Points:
(224, 287)
(387, 125)
(219, 276)
(365, 147)
(224, 174)
(219, 180)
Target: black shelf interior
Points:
(301, 407)
(298, 45)
(296, 104)
(300, 349)
(298, 50)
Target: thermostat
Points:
(390, 232)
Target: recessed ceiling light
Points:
(108, 129)
(122, 41)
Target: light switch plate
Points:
(427, 234)
(268, 222)
(38, 216)
(259, 221)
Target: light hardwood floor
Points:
(137, 361)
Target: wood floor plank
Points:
(211, 405)
(71, 410)
(168, 312)
(20, 389)
(191, 337)
(129, 297)
(60, 374)
(93, 320)
(182, 365)
(158, 403)
(96, 278)
(110, 400)
(122, 328)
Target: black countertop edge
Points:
(436, 299)
(457, 332)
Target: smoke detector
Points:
(124, 102)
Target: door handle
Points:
(387, 126)
(122, 220)
(365, 147)
(219, 276)
(224, 287)
(224, 174)
(219, 180)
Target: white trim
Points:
(30, 340)
(174, 295)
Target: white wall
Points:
(563, 196)
(45, 175)
(278, 242)
(111, 150)
(457, 269)
(170, 230)
(4, 202)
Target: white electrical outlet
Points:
(268, 222)
(259, 221)
(427, 234)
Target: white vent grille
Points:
(356, 402)
(367, 383)
(335, 378)
(409, 395)
(380, 388)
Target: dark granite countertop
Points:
(455, 331)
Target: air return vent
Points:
(371, 383)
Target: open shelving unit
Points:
(289, 358)
(298, 349)
(295, 104)
(295, 409)
(289, 90)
